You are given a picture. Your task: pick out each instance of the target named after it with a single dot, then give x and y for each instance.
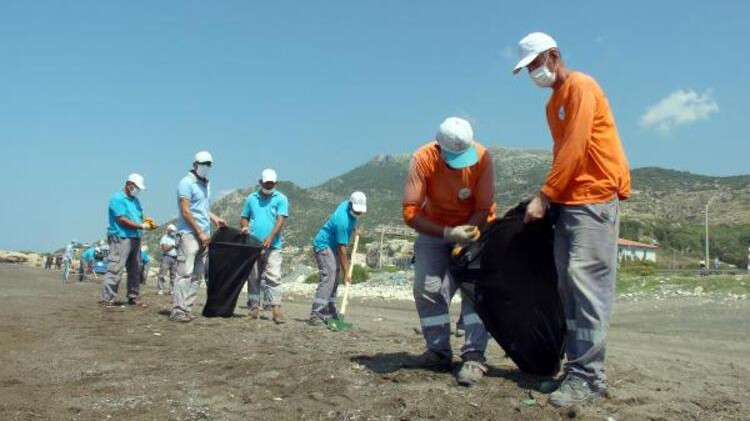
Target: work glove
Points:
(461, 233)
(149, 223)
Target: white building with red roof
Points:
(633, 250)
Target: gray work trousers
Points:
(124, 253)
(434, 288)
(324, 303)
(265, 279)
(586, 259)
(167, 266)
(144, 273)
(192, 257)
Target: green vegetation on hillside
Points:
(666, 206)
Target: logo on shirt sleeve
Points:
(464, 193)
(561, 113)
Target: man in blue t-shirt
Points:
(87, 262)
(145, 261)
(330, 247)
(263, 216)
(68, 256)
(168, 263)
(194, 234)
(126, 224)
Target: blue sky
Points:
(93, 90)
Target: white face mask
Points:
(542, 75)
(202, 170)
(134, 191)
(267, 191)
(351, 212)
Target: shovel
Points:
(340, 323)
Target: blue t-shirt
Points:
(199, 194)
(130, 207)
(262, 213)
(145, 258)
(88, 254)
(169, 241)
(337, 230)
(69, 252)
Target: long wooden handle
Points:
(349, 272)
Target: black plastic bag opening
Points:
(231, 256)
(510, 276)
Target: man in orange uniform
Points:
(448, 196)
(589, 177)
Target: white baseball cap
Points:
(531, 46)
(137, 179)
(171, 227)
(268, 175)
(456, 139)
(203, 156)
(358, 201)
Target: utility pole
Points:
(708, 262)
(380, 251)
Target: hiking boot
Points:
(471, 373)
(430, 360)
(277, 317)
(254, 313)
(107, 304)
(315, 321)
(549, 386)
(180, 317)
(136, 302)
(574, 391)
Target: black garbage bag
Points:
(510, 276)
(231, 256)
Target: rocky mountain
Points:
(660, 196)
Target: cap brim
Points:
(270, 180)
(359, 208)
(524, 62)
(140, 186)
(460, 160)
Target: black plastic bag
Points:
(510, 276)
(231, 256)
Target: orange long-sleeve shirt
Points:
(448, 196)
(589, 163)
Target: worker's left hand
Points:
(220, 223)
(536, 209)
(267, 242)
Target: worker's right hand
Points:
(245, 230)
(347, 279)
(461, 233)
(204, 239)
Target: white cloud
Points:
(677, 109)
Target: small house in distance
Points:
(633, 250)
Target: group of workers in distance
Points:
(448, 198)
